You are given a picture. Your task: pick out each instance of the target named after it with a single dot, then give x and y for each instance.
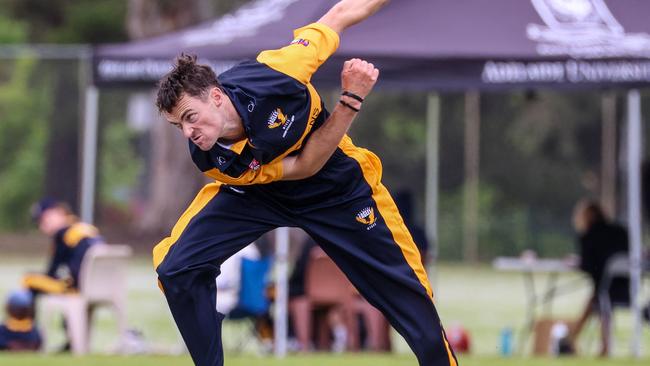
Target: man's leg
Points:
(370, 243)
(219, 222)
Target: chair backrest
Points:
(325, 283)
(252, 289)
(102, 276)
(617, 266)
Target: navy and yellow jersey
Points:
(19, 334)
(70, 246)
(278, 106)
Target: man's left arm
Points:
(357, 80)
(358, 77)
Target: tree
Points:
(23, 107)
(174, 178)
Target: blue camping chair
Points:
(253, 303)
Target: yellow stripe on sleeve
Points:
(312, 45)
(78, 232)
(265, 173)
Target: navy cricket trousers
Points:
(364, 235)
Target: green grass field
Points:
(479, 298)
(311, 360)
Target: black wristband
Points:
(352, 95)
(349, 106)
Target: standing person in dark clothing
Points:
(599, 240)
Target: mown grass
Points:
(311, 360)
(479, 298)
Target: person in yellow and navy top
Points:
(18, 332)
(70, 241)
(280, 158)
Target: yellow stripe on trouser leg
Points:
(371, 167)
(452, 361)
(44, 283)
(206, 194)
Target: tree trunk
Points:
(174, 179)
(61, 169)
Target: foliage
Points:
(502, 230)
(120, 165)
(539, 154)
(12, 31)
(69, 21)
(393, 127)
(93, 22)
(23, 107)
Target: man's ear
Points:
(216, 95)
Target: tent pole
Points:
(634, 141)
(281, 291)
(89, 154)
(471, 181)
(431, 184)
(608, 154)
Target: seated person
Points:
(598, 240)
(70, 241)
(228, 282)
(228, 294)
(18, 332)
(348, 322)
(333, 316)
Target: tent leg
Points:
(634, 142)
(608, 154)
(282, 291)
(89, 151)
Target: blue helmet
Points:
(20, 299)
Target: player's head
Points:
(587, 213)
(51, 215)
(20, 304)
(190, 98)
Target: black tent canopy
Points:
(424, 44)
(431, 45)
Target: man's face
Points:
(200, 118)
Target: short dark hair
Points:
(188, 77)
(47, 203)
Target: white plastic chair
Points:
(102, 281)
(617, 266)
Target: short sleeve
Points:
(311, 46)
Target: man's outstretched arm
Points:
(357, 78)
(350, 12)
